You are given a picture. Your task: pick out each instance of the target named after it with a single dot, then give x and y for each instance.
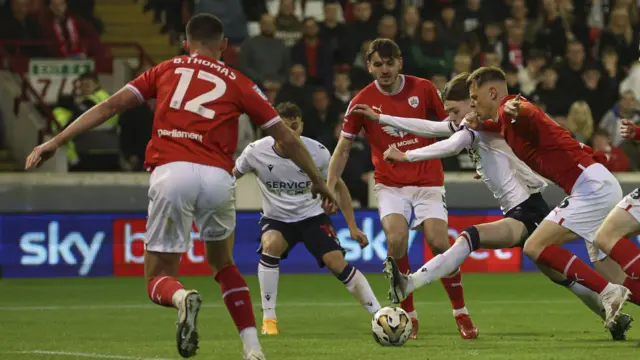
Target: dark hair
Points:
(536, 54)
(387, 49)
(457, 89)
(205, 28)
(310, 18)
(289, 110)
(601, 132)
(486, 74)
(88, 76)
(509, 68)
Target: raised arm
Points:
(442, 149)
(420, 127)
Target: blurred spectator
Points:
(296, 90)
(580, 121)
(551, 34)
(450, 28)
(410, 23)
(613, 74)
(363, 28)
(618, 161)
(333, 32)
(314, 54)
(632, 81)
(593, 91)
(230, 13)
(429, 54)
(440, 81)
(135, 132)
(246, 134)
(461, 63)
(263, 57)
(70, 36)
(511, 73)
(570, 71)
(20, 25)
(84, 9)
(492, 35)
(289, 27)
(529, 75)
(626, 108)
(621, 36)
(321, 117)
(358, 168)
(547, 95)
(342, 91)
(562, 121)
(490, 57)
(391, 8)
(360, 76)
(472, 15)
(514, 48)
(388, 28)
(519, 17)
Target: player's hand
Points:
(329, 203)
(512, 108)
(40, 154)
(394, 155)
(472, 121)
(628, 129)
(360, 237)
(366, 111)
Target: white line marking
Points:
(78, 354)
(293, 304)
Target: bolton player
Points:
(516, 187)
(190, 153)
(552, 152)
(291, 216)
(403, 188)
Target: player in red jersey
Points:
(551, 151)
(195, 130)
(403, 188)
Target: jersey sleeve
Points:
(420, 127)
(352, 123)
(445, 148)
(491, 126)
(637, 136)
(436, 107)
(243, 163)
(255, 104)
(144, 86)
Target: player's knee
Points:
(532, 250)
(273, 245)
(439, 246)
(397, 243)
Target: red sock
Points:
(235, 294)
(162, 288)
(573, 268)
(404, 267)
(453, 286)
(627, 255)
(634, 287)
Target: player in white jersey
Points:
(291, 215)
(516, 187)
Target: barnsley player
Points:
(551, 151)
(516, 187)
(190, 153)
(403, 188)
(291, 216)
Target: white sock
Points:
(177, 298)
(589, 298)
(359, 287)
(440, 266)
(250, 340)
(268, 274)
(413, 315)
(462, 310)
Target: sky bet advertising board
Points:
(80, 245)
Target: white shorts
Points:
(594, 195)
(425, 202)
(631, 204)
(181, 192)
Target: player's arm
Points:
(420, 127)
(346, 206)
(629, 130)
(243, 165)
(445, 148)
(295, 150)
(338, 161)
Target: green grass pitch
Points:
(520, 316)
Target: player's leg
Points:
(216, 220)
(320, 238)
(273, 247)
(173, 192)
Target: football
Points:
(391, 326)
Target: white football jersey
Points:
(510, 180)
(285, 188)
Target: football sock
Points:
(440, 266)
(588, 296)
(249, 337)
(634, 287)
(572, 268)
(268, 274)
(359, 287)
(165, 291)
(235, 294)
(627, 255)
(405, 268)
(453, 285)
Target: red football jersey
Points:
(198, 104)
(416, 98)
(542, 144)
